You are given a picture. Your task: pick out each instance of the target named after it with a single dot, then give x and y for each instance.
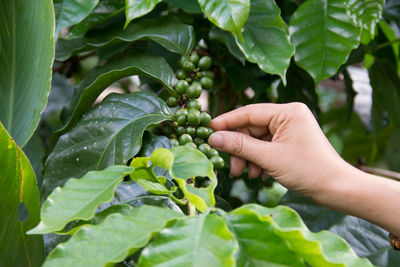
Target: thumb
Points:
(241, 145)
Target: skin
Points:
(285, 141)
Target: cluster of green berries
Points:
(190, 126)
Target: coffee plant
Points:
(105, 108)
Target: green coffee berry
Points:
(204, 148)
(174, 142)
(198, 75)
(194, 90)
(191, 144)
(212, 152)
(188, 66)
(217, 161)
(202, 132)
(185, 138)
(205, 63)
(182, 61)
(172, 101)
(173, 136)
(205, 119)
(208, 74)
(194, 58)
(180, 130)
(211, 131)
(181, 87)
(198, 140)
(181, 111)
(195, 104)
(193, 117)
(188, 79)
(206, 82)
(181, 120)
(173, 124)
(180, 75)
(191, 131)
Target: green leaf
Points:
(203, 240)
(229, 15)
(73, 12)
(117, 237)
(375, 245)
(229, 41)
(171, 34)
(26, 58)
(323, 34)
(189, 6)
(367, 13)
(83, 197)
(266, 38)
(137, 8)
(189, 163)
(109, 134)
(101, 77)
(316, 249)
(19, 206)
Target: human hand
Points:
(280, 140)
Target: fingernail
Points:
(216, 140)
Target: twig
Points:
(388, 174)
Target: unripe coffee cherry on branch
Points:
(190, 125)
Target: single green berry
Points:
(211, 131)
(198, 140)
(206, 82)
(181, 120)
(191, 131)
(198, 75)
(185, 138)
(180, 130)
(181, 87)
(188, 66)
(172, 101)
(204, 148)
(195, 104)
(174, 142)
(205, 63)
(193, 117)
(202, 132)
(217, 161)
(191, 144)
(173, 124)
(173, 136)
(208, 74)
(188, 79)
(194, 58)
(180, 75)
(182, 61)
(194, 90)
(205, 118)
(212, 152)
(181, 111)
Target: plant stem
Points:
(387, 174)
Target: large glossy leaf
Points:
(367, 13)
(111, 241)
(137, 8)
(227, 39)
(83, 196)
(171, 34)
(26, 58)
(203, 240)
(101, 77)
(19, 206)
(73, 11)
(111, 133)
(316, 249)
(323, 34)
(374, 245)
(229, 15)
(266, 38)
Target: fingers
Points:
(254, 170)
(237, 166)
(242, 146)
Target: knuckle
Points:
(298, 108)
(237, 144)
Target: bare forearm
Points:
(367, 196)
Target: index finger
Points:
(251, 115)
